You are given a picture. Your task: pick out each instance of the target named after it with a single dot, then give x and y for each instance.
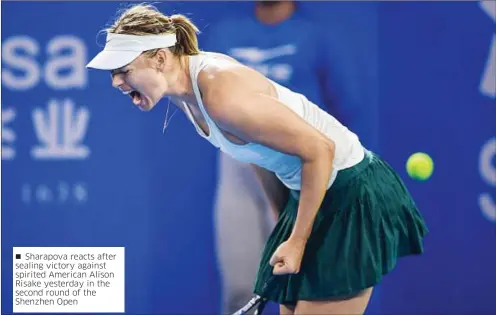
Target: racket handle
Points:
(252, 303)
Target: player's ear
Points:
(161, 58)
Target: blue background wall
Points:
(153, 193)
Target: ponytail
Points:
(186, 32)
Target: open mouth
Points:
(135, 96)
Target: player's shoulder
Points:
(214, 58)
(217, 67)
(222, 77)
(219, 70)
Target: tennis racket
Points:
(256, 301)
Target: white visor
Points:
(121, 49)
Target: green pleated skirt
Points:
(367, 221)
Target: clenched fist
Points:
(287, 257)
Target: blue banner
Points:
(437, 95)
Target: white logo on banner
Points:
(61, 131)
(488, 81)
(57, 64)
(8, 135)
(64, 69)
(55, 193)
(487, 156)
(257, 59)
(488, 173)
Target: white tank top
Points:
(348, 149)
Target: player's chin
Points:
(147, 105)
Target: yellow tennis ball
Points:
(420, 166)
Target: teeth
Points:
(127, 92)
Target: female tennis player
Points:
(349, 216)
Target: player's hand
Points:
(287, 257)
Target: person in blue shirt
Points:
(285, 44)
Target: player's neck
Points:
(274, 12)
(180, 85)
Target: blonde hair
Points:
(144, 19)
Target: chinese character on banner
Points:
(8, 135)
(60, 130)
(488, 80)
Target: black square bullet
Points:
(18, 256)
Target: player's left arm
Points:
(258, 118)
(273, 189)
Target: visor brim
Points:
(112, 59)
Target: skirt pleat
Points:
(366, 222)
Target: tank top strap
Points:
(196, 64)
